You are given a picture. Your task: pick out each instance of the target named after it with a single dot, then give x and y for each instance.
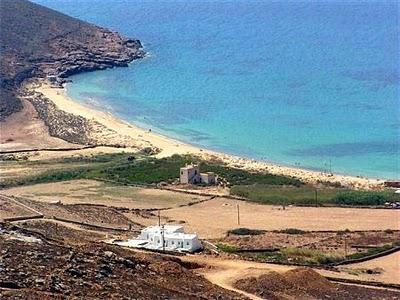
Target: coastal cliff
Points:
(37, 42)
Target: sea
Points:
(310, 84)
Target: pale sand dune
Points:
(170, 146)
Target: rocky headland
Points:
(38, 43)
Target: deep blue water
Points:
(298, 83)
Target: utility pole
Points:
(345, 246)
(316, 197)
(159, 218)
(162, 238)
(330, 166)
(238, 214)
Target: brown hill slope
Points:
(307, 284)
(36, 268)
(36, 41)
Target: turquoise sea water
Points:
(309, 83)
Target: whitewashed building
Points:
(191, 174)
(165, 237)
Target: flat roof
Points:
(167, 228)
(207, 173)
(180, 235)
(189, 167)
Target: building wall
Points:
(208, 178)
(190, 175)
(172, 243)
(174, 238)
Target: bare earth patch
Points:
(212, 219)
(9, 209)
(96, 192)
(24, 130)
(387, 269)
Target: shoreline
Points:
(169, 146)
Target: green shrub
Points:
(306, 195)
(226, 248)
(151, 171)
(371, 251)
(291, 231)
(341, 232)
(362, 198)
(310, 256)
(241, 193)
(246, 231)
(283, 194)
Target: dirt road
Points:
(225, 271)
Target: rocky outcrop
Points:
(54, 45)
(112, 51)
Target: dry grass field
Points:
(339, 243)
(21, 169)
(95, 192)
(212, 219)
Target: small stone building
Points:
(191, 174)
(208, 178)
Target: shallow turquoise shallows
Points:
(310, 84)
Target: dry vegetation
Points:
(308, 248)
(307, 284)
(100, 193)
(338, 242)
(118, 206)
(9, 209)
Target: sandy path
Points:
(225, 272)
(389, 263)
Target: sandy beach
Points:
(168, 146)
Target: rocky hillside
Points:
(36, 42)
(36, 267)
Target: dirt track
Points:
(225, 272)
(390, 265)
